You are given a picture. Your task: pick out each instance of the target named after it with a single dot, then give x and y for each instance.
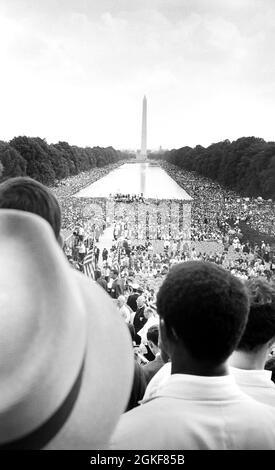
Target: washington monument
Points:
(143, 153)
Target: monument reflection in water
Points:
(165, 213)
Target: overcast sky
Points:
(77, 70)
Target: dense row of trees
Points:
(246, 165)
(32, 156)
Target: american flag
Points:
(88, 264)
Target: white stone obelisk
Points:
(143, 152)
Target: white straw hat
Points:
(66, 362)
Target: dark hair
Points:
(115, 272)
(260, 327)
(26, 194)
(153, 334)
(206, 307)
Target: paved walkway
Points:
(105, 241)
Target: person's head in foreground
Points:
(203, 311)
(197, 404)
(57, 364)
(26, 194)
(259, 335)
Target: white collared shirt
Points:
(194, 412)
(256, 383)
(157, 381)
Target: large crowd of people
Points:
(216, 236)
(215, 228)
(214, 208)
(192, 332)
(65, 189)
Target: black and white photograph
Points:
(137, 228)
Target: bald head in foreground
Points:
(203, 311)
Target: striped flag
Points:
(88, 264)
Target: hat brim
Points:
(108, 361)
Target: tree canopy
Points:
(34, 157)
(246, 165)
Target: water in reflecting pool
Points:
(136, 178)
